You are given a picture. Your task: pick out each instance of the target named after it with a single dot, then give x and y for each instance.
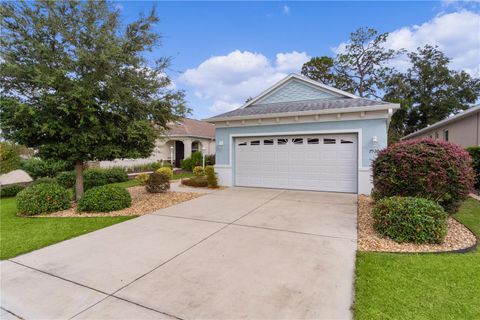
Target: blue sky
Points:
(224, 52)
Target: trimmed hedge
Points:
(211, 177)
(196, 182)
(198, 171)
(44, 180)
(42, 198)
(93, 177)
(142, 178)
(105, 199)
(11, 190)
(158, 183)
(66, 179)
(425, 168)
(409, 219)
(475, 154)
(166, 171)
(38, 168)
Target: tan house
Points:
(181, 140)
(462, 129)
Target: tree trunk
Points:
(78, 180)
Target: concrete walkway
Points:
(236, 253)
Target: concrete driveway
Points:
(236, 253)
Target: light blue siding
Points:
(370, 128)
(295, 90)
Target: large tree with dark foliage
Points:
(76, 84)
(360, 67)
(428, 92)
(322, 69)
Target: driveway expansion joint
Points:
(296, 232)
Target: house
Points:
(462, 129)
(302, 134)
(182, 139)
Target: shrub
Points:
(211, 177)
(42, 198)
(144, 167)
(475, 154)
(9, 158)
(66, 179)
(210, 160)
(425, 168)
(11, 190)
(409, 219)
(167, 165)
(166, 171)
(195, 160)
(38, 168)
(93, 177)
(105, 199)
(142, 178)
(198, 171)
(158, 182)
(196, 182)
(44, 180)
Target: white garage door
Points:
(305, 162)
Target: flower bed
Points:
(142, 203)
(458, 236)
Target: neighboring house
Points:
(462, 129)
(181, 140)
(301, 134)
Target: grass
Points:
(421, 286)
(126, 184)
(134, 182)
(22, 234)
(182, 175)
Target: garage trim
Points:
(291, 133)
(358, 132)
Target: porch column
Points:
(187, 144)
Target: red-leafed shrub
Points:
(426, 168)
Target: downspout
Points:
(478, 125)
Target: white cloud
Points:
(227, 81)
(286, 9)
(456, 34)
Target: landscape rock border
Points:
(459, 238)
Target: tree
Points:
(77, 85)
(429, 91)
(322, 69)
(363, 62)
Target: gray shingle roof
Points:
(299, 106)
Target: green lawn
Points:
(134, 182)
(421, 286)
(182, 175)
(126, 184)
(21, 234)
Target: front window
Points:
(195, 146)
(445, 134)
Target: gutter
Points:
(390, 106)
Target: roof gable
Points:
(302, 88)
(295, 90)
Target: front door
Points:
(179, 153)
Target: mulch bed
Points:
(142, 203)
(458, 237)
